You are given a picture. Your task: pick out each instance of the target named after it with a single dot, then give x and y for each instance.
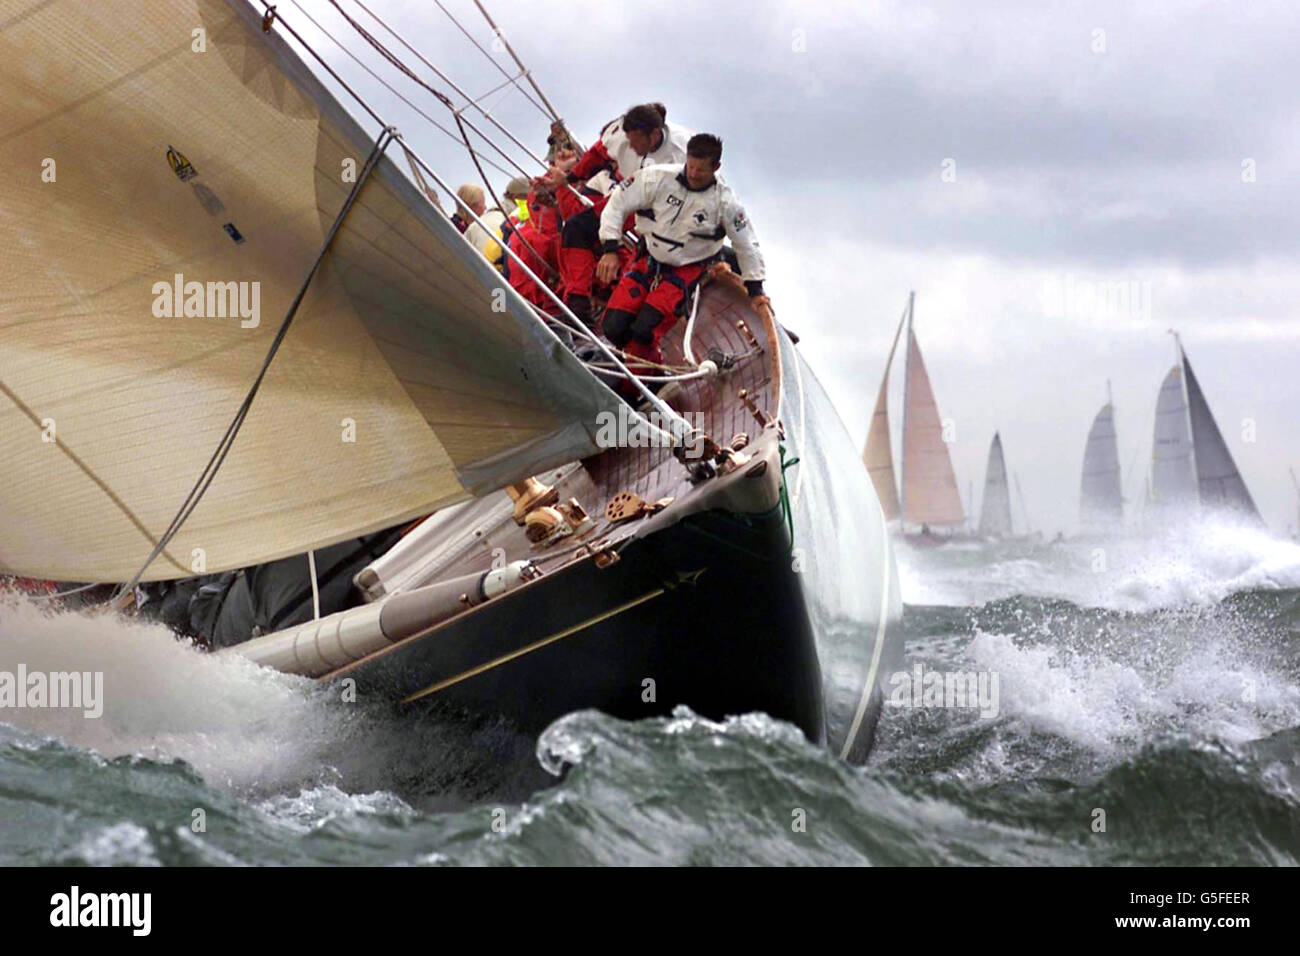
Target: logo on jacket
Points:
(740, 221)
(699, 217)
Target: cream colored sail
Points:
(877, 454)
(144, 141)
(930, 494)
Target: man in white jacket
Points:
(640, 137)
(683, 213)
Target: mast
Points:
(907, 378)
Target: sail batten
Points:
(398, 390)
(1101, 502)
(995, 507)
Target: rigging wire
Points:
(470, 101)
(433, 122)
(491, 59)
(524, 71)
(442, 98)
(458, 113)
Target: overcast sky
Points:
(988, 155)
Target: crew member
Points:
(641, 137)
(683, 213)
(536, 241)
(469, 198)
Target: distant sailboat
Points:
(929, 486)
(1191, 464)
(995, 510)
(1101, 502)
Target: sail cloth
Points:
(132, 157)
(877, 455)
(1101, 502)
(995, 509)
(929, 485)
(1219, 482)
(1173, 482)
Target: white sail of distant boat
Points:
(1101, 502)
(929, 485)
(877, 455)
(402, 388)
(1173, 478)
(1191, 463)
(995, 510)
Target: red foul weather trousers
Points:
(646, 304)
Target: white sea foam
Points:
(1194, 564)
(238, 724)
(1110, 705)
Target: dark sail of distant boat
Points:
(995, 510)
(1101, 502)
(1219, 482)
(1191, 463)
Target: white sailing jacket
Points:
(681, 225)
(613, 149)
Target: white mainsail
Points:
(930, 495)
(1173, 479)
(135, 165)
(995, 509)
(877, 454)
(1101, 502)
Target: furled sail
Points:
(170, 173)
(1220, 483)
(1101, 502)
(1173, 480)
(995, 510)
(930, 494)
(877, 455)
